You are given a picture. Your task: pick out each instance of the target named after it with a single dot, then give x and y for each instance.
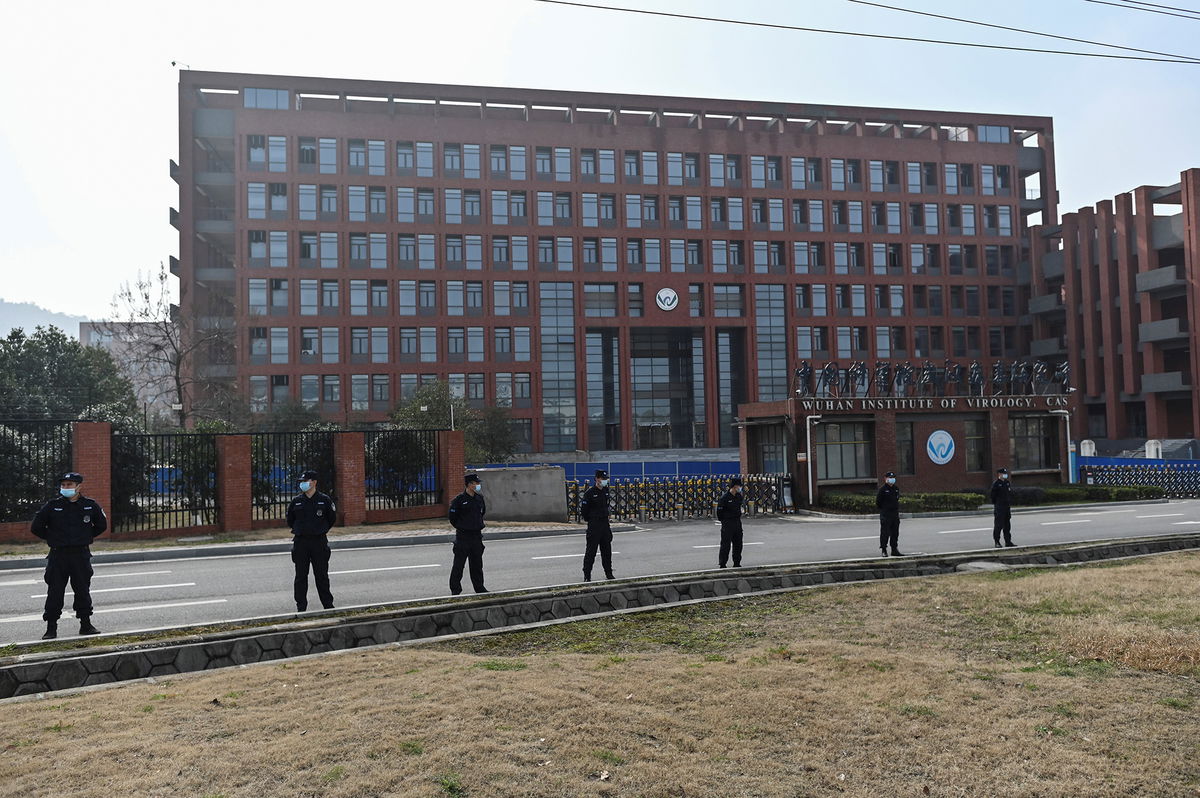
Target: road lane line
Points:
(561, 556)
(717, 545)
(864, 537)
(1183, 523)
(956, 531)
(26, 582)
(122, 589)
(1161, 515)
(27, 618)
(390, 568)
(1078, 521)
(1104, 512)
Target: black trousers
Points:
(730, 539)
(467, 551)
(604, 544)
(889, 531)
(311, 550)
(1003, 526)
(68, 564)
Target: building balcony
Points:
(214, 178)
(1048, 347)
(1031, 159)
(1046, 303)
(1052, 265)
(1164, 331)
(174, 265)
(1164, 279)
(1167, 231)
(174, 218)
(1166, 382)
(174, 168)
(1032, 201)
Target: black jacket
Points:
(1001, 496)
(888, 500)
(593, 508)
(467, 512)
(62, 522)
(729, 512)
(311, 515)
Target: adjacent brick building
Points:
(622, 271)
(1115, 292)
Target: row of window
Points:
(460, 298)
(900, 343)
(321, 155)
(273, 248)
(388, 345)
(845, 450)
(651, 211)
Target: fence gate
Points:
(681, 497)
(401, 468)
(32, 455)
(1180, 480)
(277, 458)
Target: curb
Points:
(283, 546)
(981, 511)
(45, 672)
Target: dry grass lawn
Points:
(1066, 682)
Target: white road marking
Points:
(390, 568)
(1161, 515)
(956, 531)
(1104, 512)
(718, 545)
(561, 556)
(26, 582)
(26, 618)
(1056, 523)
(863, 537)
(1183, 523)
(123, 589)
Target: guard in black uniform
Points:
(888, 502)
(593, 508)
(466, 515)
(310, 516)
(1002, 508)
(729, 513)
(69, 524)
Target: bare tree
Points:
(165, 353)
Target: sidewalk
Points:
(278, 540)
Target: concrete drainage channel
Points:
(30, 674)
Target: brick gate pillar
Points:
(350, 468)
(91, 455)
(234, 495)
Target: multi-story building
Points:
(622, 271)
(142, 351)
(1115, 292)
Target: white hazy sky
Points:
(88, 120)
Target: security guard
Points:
(310, 516)
(729, 513)
(466, 516)
(593, 508)
(1002, 508)
(69, 524)
(888, 502)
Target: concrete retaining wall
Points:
(524, 494)
(36, 673)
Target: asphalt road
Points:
(150, 595)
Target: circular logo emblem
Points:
(666, 299)
(940, 447)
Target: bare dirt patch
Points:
(967, 685)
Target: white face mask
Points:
(68, 493)
(603, 483)
(304, 486)
(891, 480)
(479, 487)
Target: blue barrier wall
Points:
(637, 469)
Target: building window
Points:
(1033, 441)
(905, 458)
(844, 451)
(995, 134)
(729, 301)
(274, 99)
(977, 445)
(600, 300)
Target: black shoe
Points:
(883, 551)
(86, 628)
(609, 575)
(997, 544)
(454, 592)
(301, 608)
(1009, 543)
(587, 577)
(737, 565)
(51, 631)
(328, 606)
(896, 553)
(482, 590)
(721, 565)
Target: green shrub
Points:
(1065, 493)
(1027, 495)
(939, 502)
(1099, 493)
(1127, 494)
(1150, 491)
(856, 503)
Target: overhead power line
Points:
(1128, 7)
(1157, 5)
(860, 34)
(1019, 30)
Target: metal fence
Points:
(32, 455)
(277, 458)
(401, 468)
(163, 481)
(691, 497)
(1180, 480)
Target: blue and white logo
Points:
(666, 299)
(940, 447)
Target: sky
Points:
(88, 122)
